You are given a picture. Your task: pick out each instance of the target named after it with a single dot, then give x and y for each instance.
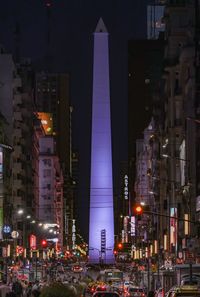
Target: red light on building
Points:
(48, 3)
(120, 245)
(44, 243)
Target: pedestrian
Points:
(150, 294)
(17, 288)
(10, 294)
(29, 290)
(4, 289)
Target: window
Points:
(49, 186)
(47, 162)
(46, 173)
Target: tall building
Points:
(7, 69)
(50, 186)
(101, 224)
(53, 98)
(145, 59)
(155, 22)
(179, 135)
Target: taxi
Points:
(184, 291)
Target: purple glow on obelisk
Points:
(101, 235)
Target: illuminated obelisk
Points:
(101, 224)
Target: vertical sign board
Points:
(126, 229)
(132, 225)
(173, 228)
(73, 235)
(1, 192)
(126, 187)
(32, 242)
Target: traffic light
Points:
(138, 211)
(44, 243)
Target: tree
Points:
(58, 290)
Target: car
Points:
(101, 288)
(159, 292)
(77, 268)
(105, 294)
(135, 292)
(184, 291)
(128, 284)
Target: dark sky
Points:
(71, 43)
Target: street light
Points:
(20, 211)
(173, 158)
(193, 119)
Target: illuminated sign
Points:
(6, 229)
(173, 228)
(46, 121)
(73, 234)
(126, 229)
(182, 162)
(32, 241)
(132, 226)
(19, 250)
(126, 187)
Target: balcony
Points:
(25, 112)
(17, 133)
(17, 116)
(18, 168)
(17, 183)
(17, 82)
(17, 200)
(18, 150)
(17, 99)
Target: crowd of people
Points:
(20, 289)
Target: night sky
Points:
(70, 49)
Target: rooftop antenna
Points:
(48, 6)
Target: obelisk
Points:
(101, 223)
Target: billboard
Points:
(47, 122)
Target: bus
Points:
(111, 275)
